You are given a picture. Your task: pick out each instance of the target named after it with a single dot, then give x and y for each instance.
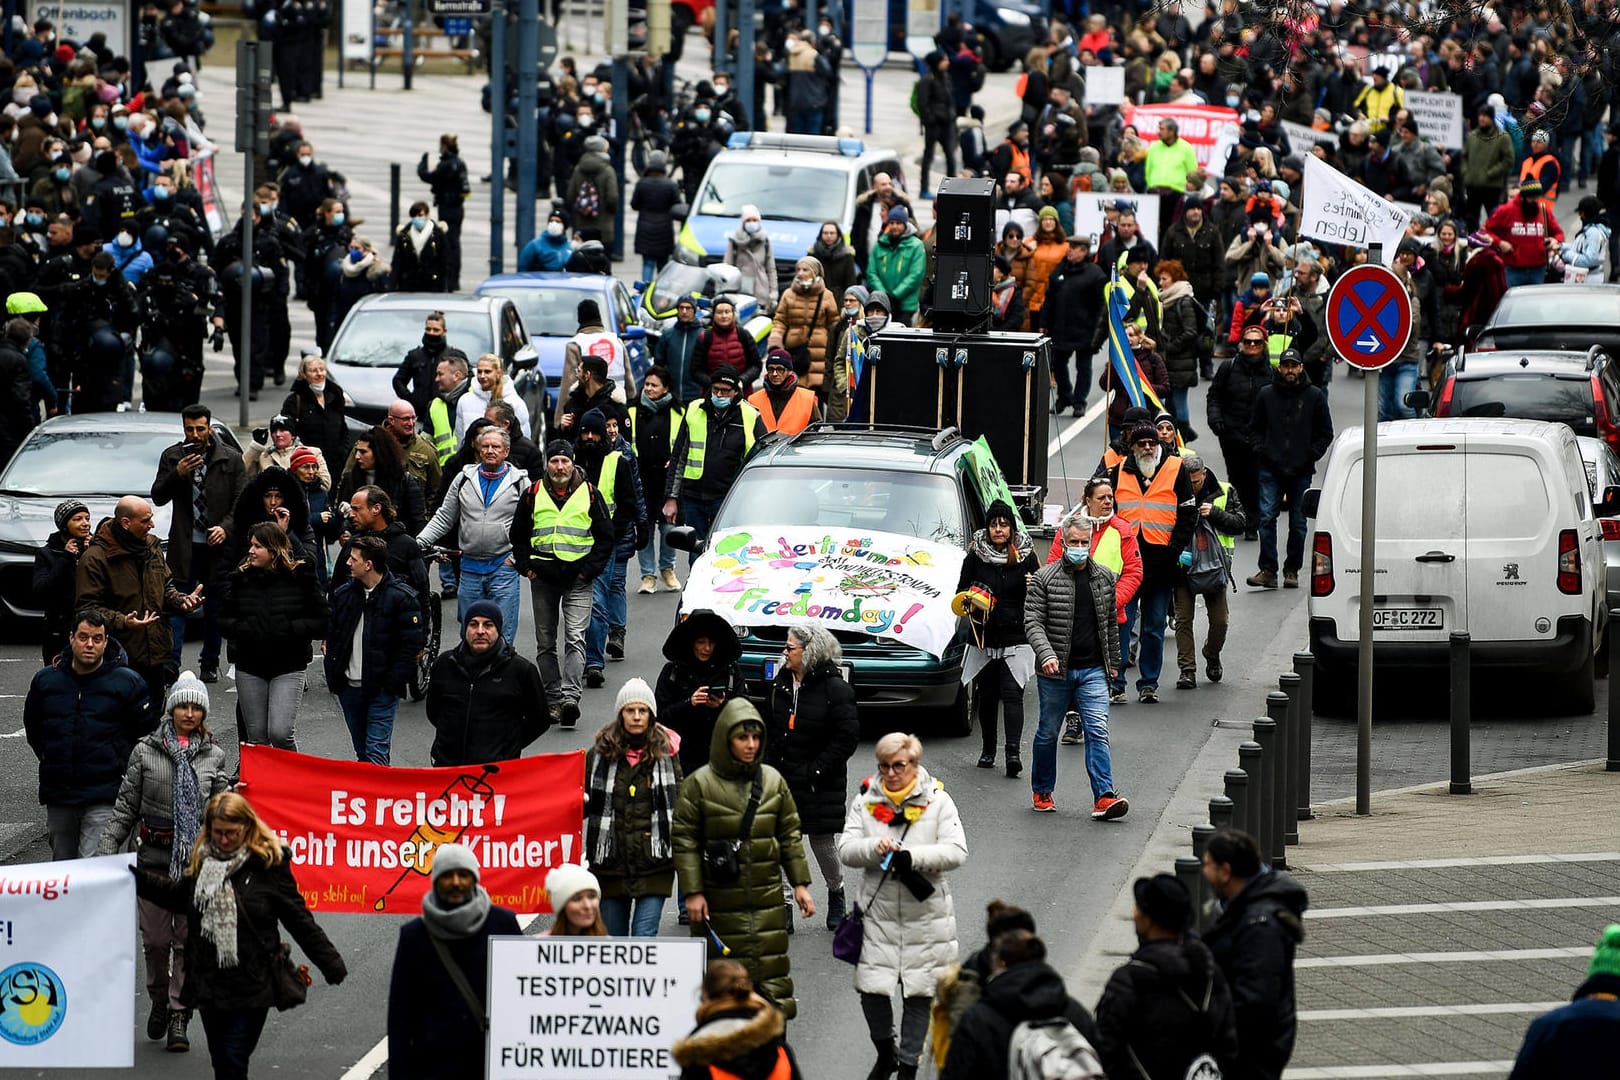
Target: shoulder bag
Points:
(720, 857)
(851, 933)
(463, 987)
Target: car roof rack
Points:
(814, 144)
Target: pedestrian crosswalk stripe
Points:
(1376, 1072)
(1481, 860)
(1317, 914)
(1452, 956)
(1406, 1012)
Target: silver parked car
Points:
(1602, 473)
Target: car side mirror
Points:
(1312, 500)
(1416, 399)
(684, 538)
(1609, 505)
(1471, 332)
(525, 358)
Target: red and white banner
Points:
(1212, 129)
(363, 836)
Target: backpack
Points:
(589, 201)
(1202, 1067)
(916, 110)
(1051, 1050)
(1210, 570)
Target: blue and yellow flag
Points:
(1128, 377)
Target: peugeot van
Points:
(1483, 525)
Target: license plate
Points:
(846, 670)
(770, 669)
(1407, 618)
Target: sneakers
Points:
(1072, 735)
(1110, 808)
(1213, 671)
(615, 643)
(1290, 579)
(568, 716)
(1044, 803)
(1116, 697)
(1188, 681)
(178, 1042)
(671, 582)
(157, 1021)
(1263, 579)
(649, 585)
(1148, 695)
(594, 679)
(835, 908)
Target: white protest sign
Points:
(67, 964)
(869, 41)
(569, 1008)
(1105, 85)
(1301, 136)
(79, 20)
(1339, 210)
(1089, 220)
(923, 20)
(1439, 116)
(1386, 62)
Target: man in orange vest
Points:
(1542, 164)
(1152, 492)
(783, 404)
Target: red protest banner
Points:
(1211, 129)
(362, 836)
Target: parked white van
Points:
(1484, 525)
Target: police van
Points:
(1483, 525)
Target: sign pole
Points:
(497, 141)
(1369, 525)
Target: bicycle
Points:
(434, 617)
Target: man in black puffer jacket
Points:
(82, 716)
(1230, 412)
(1169, 1005)
(1023, 987)
(485, 702)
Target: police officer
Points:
(114, 200)
(326, 242)
(448, 179)
(694, 144)
(178, 218)
(291, 236)
(176, 319)
(265, 278)
(97, 312)
(305, 184)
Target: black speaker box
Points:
(983, 387)
(965, 216)
(962, 284)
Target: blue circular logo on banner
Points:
(33, 1003)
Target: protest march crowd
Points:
(1187, 203)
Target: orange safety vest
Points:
(1153, 512)
(1020, 160)
(1111, 457)
(1531, 170)
(779, 1071)
(800, 410)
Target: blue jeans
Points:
(1085, 690)
(1178, 406)
(650, 267)
(635, 916)
(1592, 148)
(698, 513)
(666, 554)
(370, 717)
(609, 608)
(449, 573)
(1152, 606)
(804, 122)
(503, 586)
(1525, 275)
(1394, 383)
(1273, 486)
(233, 1034)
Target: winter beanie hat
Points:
(568, 881)
(187, 690)
(635, 691)
(448, 857)
(1606, 959)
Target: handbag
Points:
(720, 857)
(289, 982)
(851, 933)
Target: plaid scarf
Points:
(600, 834)
(215, 900)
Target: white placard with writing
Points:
(1105, 85)
(1339, 210)
(1301, 136)
(869, 42)
(1089, 220)
(78, 20)
(572, 1008)
(1439, 116)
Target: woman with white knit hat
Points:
(631, 777)
(576, 899)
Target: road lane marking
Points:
(1407, 1012)
(15, 734)
(1072, 432)
(1369, 1072)
(1317, 914)
(1447, 864)
(1450, 956)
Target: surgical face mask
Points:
(719, 402)
(34, 219)
(701, 115)
(752, 227)
(121, 122)
(1076, 556)
(339, 218)
(1232, 101)
(99, 281)
(554, 228)
(305, 159)
(161, 194)
(356, 254)
(586, 119)
(265, 209)
(853, 311)
(62, 173)
(597, 97)
(98, 122)
(419, 223)
(125, 240)
(722, 89)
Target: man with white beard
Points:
(1154, 494)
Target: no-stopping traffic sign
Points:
(1369, 316)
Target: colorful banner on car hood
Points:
(363, 836)
(880, 584)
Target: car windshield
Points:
(548, 312)
(100, 462)
(1558, 307)
(381, 336)
(912, 504)
(1527, 396)
(782, 191)
(676, 280)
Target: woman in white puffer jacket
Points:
(910, 921)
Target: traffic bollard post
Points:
(1189, 871)
(1271, 847)
(1203, 897)
(1221, 808)
(1305, 668)
(1288, 685)
(1613, 763)
(1237, 790)
(1462, 772)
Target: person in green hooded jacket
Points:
(743, 913)
(898, 265)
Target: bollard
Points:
(1305, 668)
(1203, 899)
(1613, 763)
(1271, 848)
(1221, 808)
(1289, 684)
(393, 194)
(1189, 871)
(1462, 712)
(1251, 755)
(1237, 793)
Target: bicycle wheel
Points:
(430, 652)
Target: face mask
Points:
(852, 312)
(1076, 556)
(597, 97)
(62, 173)
(339, 218)
(554, 228)
(701, 116)
(719, 402)
(419, 223)
(98, 122)
(50, 121)
(305, 159)
(752, 227)
(585, 119)
(100, 281)
(265, 209)
(34, 219)
(1231, 101)
(121, 122)
(874, 323)
(355, 255)
(125, 240)
(162, 194)
(722, 89)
